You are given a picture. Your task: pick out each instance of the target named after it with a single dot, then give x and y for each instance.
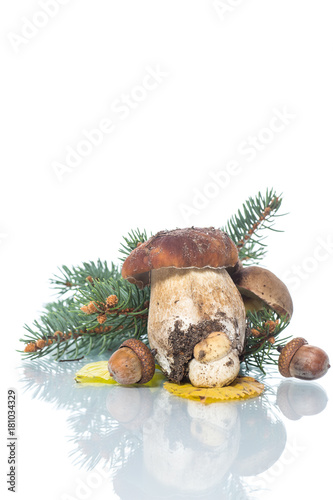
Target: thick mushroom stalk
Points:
(186, 306)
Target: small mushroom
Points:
(192, 294)
(260, 288)
(303, 361)
(214, 347)
(132, 363)
(215, 373)
(215, 363)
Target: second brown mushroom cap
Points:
(260, 288)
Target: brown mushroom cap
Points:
(259, 283)
(180, 248)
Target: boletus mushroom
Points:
(260, 289)
(192, 296)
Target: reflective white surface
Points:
(136, 442)
(226, 76)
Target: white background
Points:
(225, 75)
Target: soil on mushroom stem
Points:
(182, 342)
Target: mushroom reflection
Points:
(185, 443)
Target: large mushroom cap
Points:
(180, 248)
(259, 283)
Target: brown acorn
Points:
(132, 363)
(303, 361)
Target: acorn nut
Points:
(132, 363)
(303, 361)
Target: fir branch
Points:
(58, 326)
(131, 241)
(262, 341)
(118, 305)
(65, 329)
(71, 279)
(245, 227)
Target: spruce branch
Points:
(58, 327)
(100, 317)
(131, 241)
(263, 338)
(117, 304)
(71, 279)
(246, 227)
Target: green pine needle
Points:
(76, 277)
(131, 242)
(82, 333)
(246, 227)
(259, 349)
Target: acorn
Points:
(303, 361)
(132, 363)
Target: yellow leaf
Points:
(241, 388)
(98, 373)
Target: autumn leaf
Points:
(241, 388)
(98, 373)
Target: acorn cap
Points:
(259, 283)
(144, 354)
(180, 248)
(287, 354)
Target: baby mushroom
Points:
(215, 363)
(214, 347)
(260, 288)
(132, 363)
(192, 295)
(303, 361)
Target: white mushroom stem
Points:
(186, 305)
